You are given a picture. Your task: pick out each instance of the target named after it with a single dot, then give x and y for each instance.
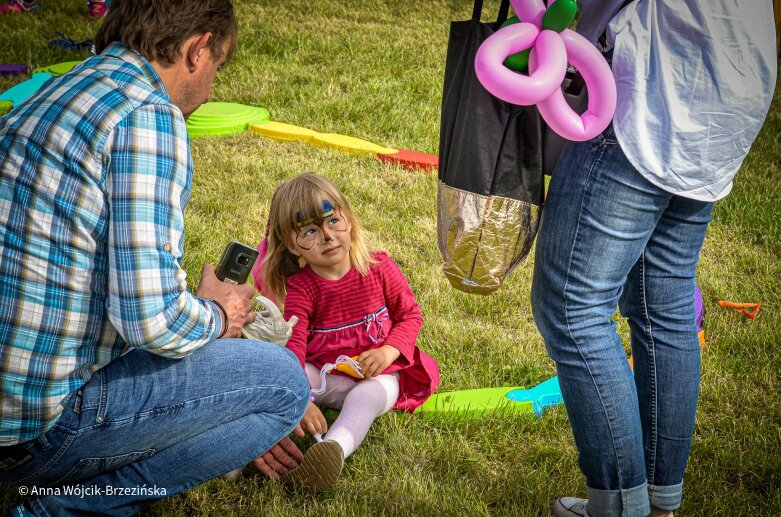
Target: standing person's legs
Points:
(598, 217)
(658, 302)
(146, 427)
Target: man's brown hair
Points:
(158, 28)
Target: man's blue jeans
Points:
(147, 427)
(610, 238)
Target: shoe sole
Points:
(318, 471)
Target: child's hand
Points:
(313, 421)
(373, 362)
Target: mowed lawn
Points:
(374, 70)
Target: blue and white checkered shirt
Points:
(95, 173)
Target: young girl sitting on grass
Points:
(348, 301)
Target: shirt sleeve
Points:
(148, 180)
(404, 310)
(299, 302)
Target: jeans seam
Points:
(651, 467)
(566, 302)
(52, 461)
(173, 407)
(103, 402)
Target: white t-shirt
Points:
(695, 80)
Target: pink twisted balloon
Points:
(547, 66)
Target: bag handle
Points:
(504, 9)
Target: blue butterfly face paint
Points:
(317, 231)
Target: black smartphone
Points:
(236, 263)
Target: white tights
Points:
(360, 402)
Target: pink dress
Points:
(358, 313)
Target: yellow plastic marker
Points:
(290, 132)
(349, 144)
(282, 131)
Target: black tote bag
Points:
(491, 183)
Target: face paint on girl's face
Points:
(321, 230)
(325, 242)
(328, 209)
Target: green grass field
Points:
(374, 70)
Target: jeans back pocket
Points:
(87, 468)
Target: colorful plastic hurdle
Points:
(478, 401)
(475, 403)
(18, 93)
(226, 118)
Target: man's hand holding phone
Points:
(236, 300)
(227, 286)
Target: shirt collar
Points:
(118, 50)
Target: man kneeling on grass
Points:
(120, 386)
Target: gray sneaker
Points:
(570, 507)
(319, 470)
(575, 507)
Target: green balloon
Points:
(519, 61)
(559, 15)
(509, 21)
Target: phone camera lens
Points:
(243, 260)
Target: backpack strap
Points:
(504, 9)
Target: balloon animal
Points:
(543, 31)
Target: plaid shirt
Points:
(95, 173)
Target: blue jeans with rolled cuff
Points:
(608, 238)
(146, 427)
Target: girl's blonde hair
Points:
(304, 195)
